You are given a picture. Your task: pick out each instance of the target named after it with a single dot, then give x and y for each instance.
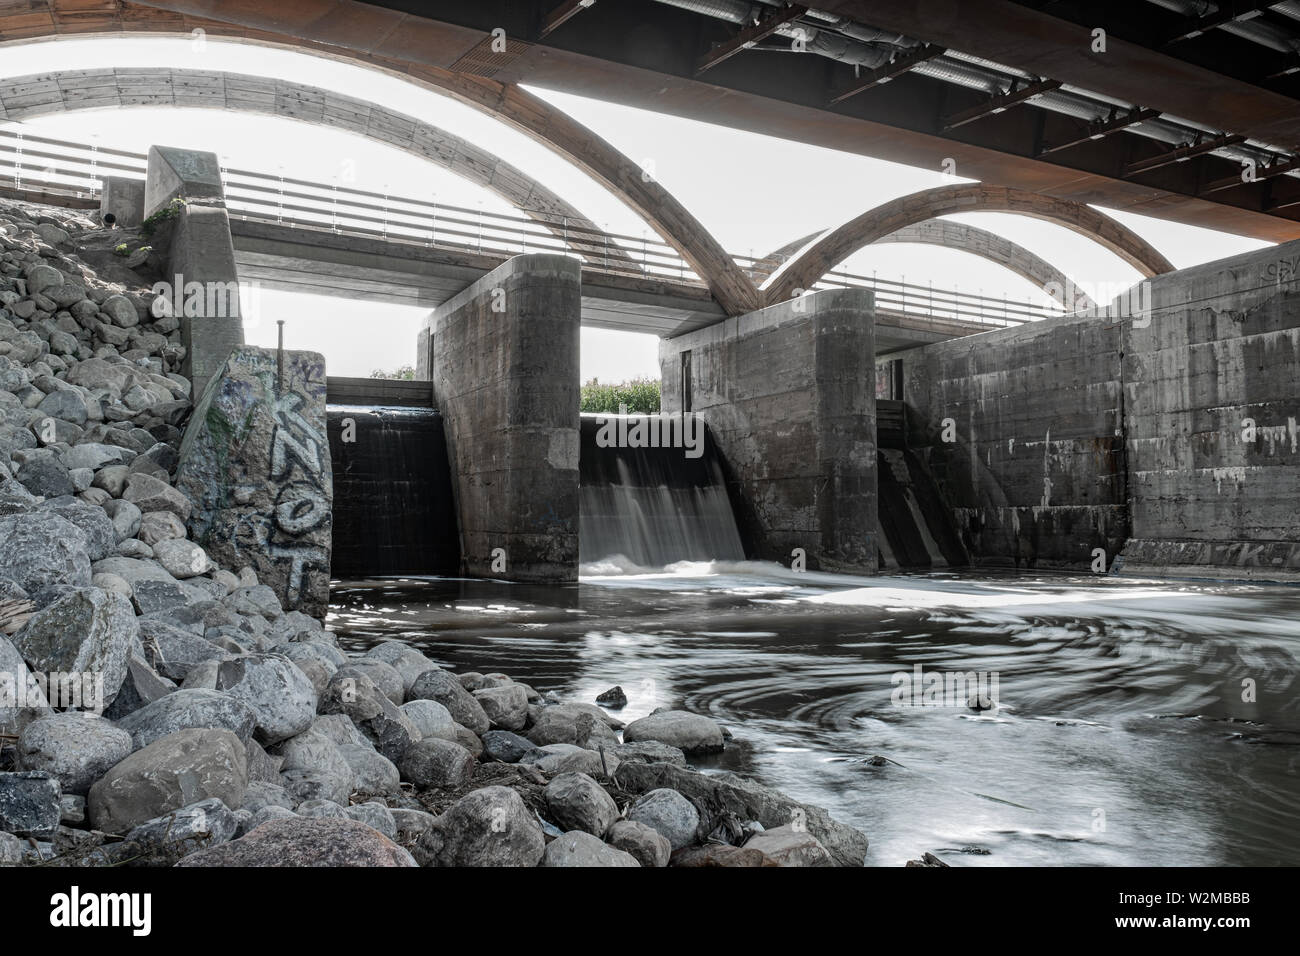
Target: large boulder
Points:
(187, 709)
(577, 848)
(668, 813)
(256, 464)
(440, 686)
(648, 846)
(41, 549)
(180, 769)
(404, 658)
(433, 762)
(576, 802)
(166, 839)
(384, 725)
(88, 632)
(488, 827)
(22, 699)
(692, 734)
(384, 676)
(78, 749)
(30, 803)
(305, 841)
(280, 694)
(571, 724)
(506, 707)
(430, 718)
(790, 845)
(747, 800)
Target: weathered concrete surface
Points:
(201, 258)
(788, 395)
(255, 463)
(1211, 411)
(1031, 459)
(503, 358)
(193, 174)
(124, 198)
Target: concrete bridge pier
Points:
(503, 359)
(788, 394)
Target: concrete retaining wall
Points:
(1212, 402)
(788, 394)
(1030, 456)
(503, 357)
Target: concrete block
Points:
(124, 198)
(173, 172)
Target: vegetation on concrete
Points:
(165, 214)
(405, 373)
(639, 395)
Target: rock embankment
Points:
(156, 709)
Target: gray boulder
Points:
(101, 536)
(442, 687)
(488, 827)
(30, 803)
(372, 712)
(86, 631)
(434, 762)
(404, 658)
(373, 774)
(306, 842)
(692, 734)
(180, 769)
(374, 815)
(506, 747)
(188, 709)
(506, 707)
(430, 718)
(42, 549)
(668, 813)
(648, 846)
(576, 802)
(384, 676)
(280, 694)
(78, 749)
(577, 848)
(165, 839)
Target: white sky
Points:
(714, 171)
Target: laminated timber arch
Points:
(45, 94)
(391, 42)
(956, 235)
(803, 271)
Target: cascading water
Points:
(393, 507)
(651, 507)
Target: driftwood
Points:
(14, 614)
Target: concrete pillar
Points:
(200, 257)
(174, 173)
(503, 357)
(124, 198)
(788, 393)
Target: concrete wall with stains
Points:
(1212, 401)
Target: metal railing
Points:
(59, 168)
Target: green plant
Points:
(406, 373)
(121, 250)
(640, 395)
(166, 213)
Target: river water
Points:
(1134, 722)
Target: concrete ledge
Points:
(1219, 560)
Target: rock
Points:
(340, 729)
(506, 707)
(72, 809)
(121, 311)
(65, 404)
(180, 558)
(165, 839)
(434, 762)
(42, 549)
(186, 710)
(305, 784)
(174, 652)
(264, 815)
(141, 687)
(280, 694)
(582, 849)
(569, 724)
(126, 518)
(101, 536)
(150, 494)
(649, 751)
(411, 825)
(488, 827)
(374, 714)
(275, 480)
(374, 815)
(646, 845)
(407, 661)
(720, 854)
(22, 699)
(316, 752)
(46, 477)
(261, 794)
(927, 860)
(30, 804)
(373, 774)
(85, 632)
(256, 599)
(613, 698)
(787, 846)
(306, 842)
(75, 748)
(384, 676)
(569, 758)
(668, 813)
(505, 746)
(430, 718)
(95, 455)
(321, 810)
(576, 802)
(12, 849)
(159, 526)
(469, 740)
(747, 800)
(180, 769)
(440, 686)
(692, 734)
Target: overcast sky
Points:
(715, 171)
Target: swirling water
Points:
(1136, 722)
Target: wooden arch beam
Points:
(808, 267)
